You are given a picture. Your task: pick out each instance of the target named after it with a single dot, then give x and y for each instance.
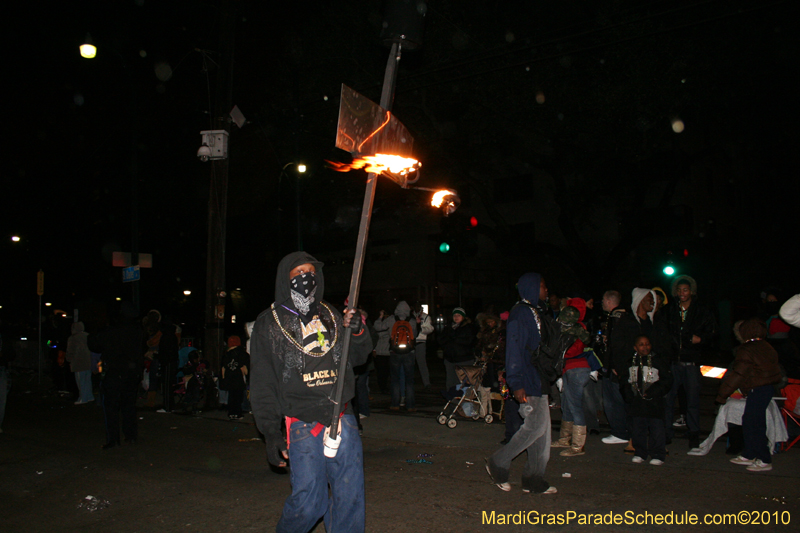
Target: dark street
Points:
(207, 473)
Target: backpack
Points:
(548, 357)
(401, 340)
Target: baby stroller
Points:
(474, 399)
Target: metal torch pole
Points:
(387, 96)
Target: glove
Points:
(276, 445)
(593, 375)
(560, 384)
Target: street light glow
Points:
(15, 238)
(301, 168)
(187, 293)
(669, 270)
(47, 304)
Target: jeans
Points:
(614, 408)
(235, 400)
(534, 436)
(362, 393)
(572, 398)
(311, 473)
(754, 424)
(84, 381)
(3, 392)
(119, 395)
(513, 420)
(420, 354)
(405, 363)
(690, 377)
(655, 447)
(592, 403)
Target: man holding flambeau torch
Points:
(296, 348)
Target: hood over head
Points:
(753, 328)
(77, 327)
(684, 280)
(282, 281)
(569, 315)
(528, 287)
(580, 305)
(482, 318)
(403, 310)
(638, 295)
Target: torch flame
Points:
(378, 163)
(439, 197)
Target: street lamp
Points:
(15, 238)
(187, 293)
(88, 49)
(301, 169)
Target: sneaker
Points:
(656, 462)
(760, 466)
(550, 490)
(611, 439)
(162, 411)
(402, 401)
(502, 486)
(79, 402)
(741, 460)
(636, 459)
(680, 422)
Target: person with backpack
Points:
(458, 345)
(401, 359)
(527, 369)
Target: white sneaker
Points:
(402, 401)
(741, 460)
(636, 459)
(78, 402)
(502, 486)
(680, 422)
(611, 439)
(656, 462)
(760, 466)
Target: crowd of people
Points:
(629, 364)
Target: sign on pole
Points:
(40, 282)
(130, 274)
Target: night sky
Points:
(503, 97)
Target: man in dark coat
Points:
(296, 348)
(693, 332)
(122, 350)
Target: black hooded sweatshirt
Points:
(295, 357)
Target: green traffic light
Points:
(444, 247)
(669, 270)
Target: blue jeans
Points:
(3, 393)
(311, 474)
(84, 381)
(754, 424)
(534, 436)
(572, 398)
(404, 363)
(691, 378)
(614, 408)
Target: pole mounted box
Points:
(217, 141)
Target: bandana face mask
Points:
(303, 289)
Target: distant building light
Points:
(23, 338)
(187, 293)
(118, 299)
(15, 238)
(301, 168)
(233, 319)
(47, 304)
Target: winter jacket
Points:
(623, 337)
(522, 338)
(458, 342)
(78, 354)
(790, 311)
(698, 321)
(756, 364)
(384, 327)
(652, 404)
(425, 327)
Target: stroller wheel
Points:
(452, 423)
(442, 419)
(488, 419)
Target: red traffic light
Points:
(473, 222)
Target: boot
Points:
(578, 441)
(565, 437)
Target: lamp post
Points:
(301, 169)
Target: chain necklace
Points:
(297, 344)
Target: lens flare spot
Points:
(677, 125)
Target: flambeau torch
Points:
(366, 128)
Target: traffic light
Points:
(669, 270)
(444, 247)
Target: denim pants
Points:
(312, 473)
(420, 354)
(362, 393)
(592, 404)
(614, 408)
(534, 436)
(691, 378)
(754, 424)
(402, 363)
(655, 446)
(572, 398)
(84, 381)
(3, 393)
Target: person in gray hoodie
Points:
(80, 361)
(402, 364)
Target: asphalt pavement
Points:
(206, 473)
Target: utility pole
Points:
(218, 195)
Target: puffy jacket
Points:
(458, 344)
(756, 364)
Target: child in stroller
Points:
(469, 398)
(196, 390)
